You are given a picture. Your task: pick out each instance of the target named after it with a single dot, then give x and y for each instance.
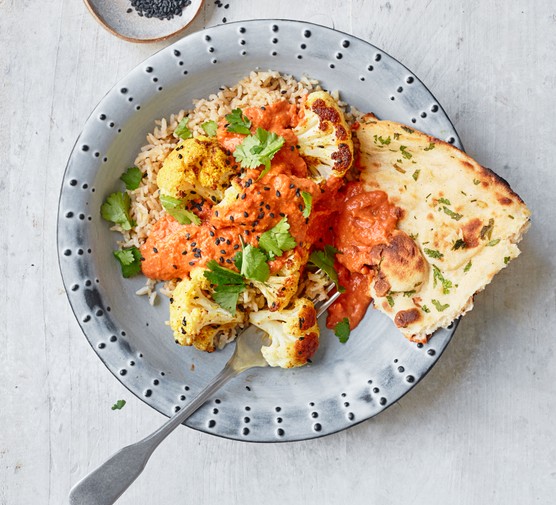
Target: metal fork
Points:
(108, 482)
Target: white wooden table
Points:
(478, 429)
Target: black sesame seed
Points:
(278, 194)
(211, 233)
(155, 250)
(222, 251)
(191, 263)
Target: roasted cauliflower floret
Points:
(195, 318)
(324, 137)
(280, 287)
(293, 333)
(197, 166)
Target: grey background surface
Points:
(479, 428)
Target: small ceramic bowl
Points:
(124, 21)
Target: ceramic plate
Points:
(345, 384)
(122, 20)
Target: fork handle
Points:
(107, 483)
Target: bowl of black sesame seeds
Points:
(144, 20)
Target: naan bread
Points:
(465, 220)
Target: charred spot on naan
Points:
(404, 318)
(401, 264)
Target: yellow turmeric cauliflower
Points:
(324, 137)
(280, 287)
(195, 317)
(197, 166)
(293, 333)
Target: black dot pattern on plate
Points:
(113, 116)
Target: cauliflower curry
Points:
(250, 209)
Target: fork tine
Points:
(326, 304)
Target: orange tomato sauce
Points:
(365, 219)
(347, 216)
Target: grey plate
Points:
(345, 384)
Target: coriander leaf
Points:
(476, 181)
(130, 261)
(254, 265)
(390, 300)
(432, 145)
(437, 276)
(424, 308)
(116, 209)
(238, 122)
(444, 200)
(342, 330)
(406, 129)
(176, 208)
(119, 405)
(468, 267)
(220, 275)
(452, 214)
(396, 136)
(382, 141)
(308, 201)
(278, 239)
(210, 128)
(325, 261)
(258, 149)
(459, 244)
(486, 231)
(416, 174)
(492, 243)
(405, 153)
(439, 306)
(182, 131)
(409, 294)
(433, 253)
(227, 295)
(132, 178)
(506, 260)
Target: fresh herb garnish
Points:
(405, 153)
(182, 131)
(278, 239)
(433, 253)
(383, 141)
(459, 244)
(416, 174)
(492, 243)
(342, 330)
(396, 136)
(308, 201)
(258, 149)
(432, 145)
(439, 306)
(130, 261)
(406, 129)
(452, 214)
(468, 267)
(437, 276)
(228, 285)
(476, 181)
(132, 178)
(238, 122)
(210, 128)
(116, 209)
(409, 294)
(254, 264)
(444, 201)
(119, 405)
(390, 300)
(424, 308)
(506, 260)
(324, 259)
(176, 208)
(486, 231)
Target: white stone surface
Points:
(478, 429)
